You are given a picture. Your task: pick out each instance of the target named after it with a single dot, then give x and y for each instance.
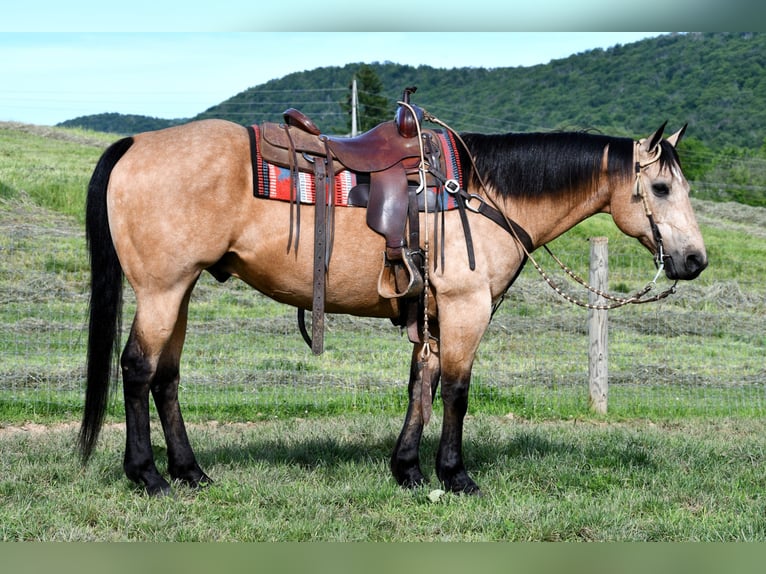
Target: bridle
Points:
(640, 191)
(497, 215)
(659, 256)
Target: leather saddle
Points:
(391, 153)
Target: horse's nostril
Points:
(695, 263)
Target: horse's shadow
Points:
(480, 454)
(309, 454)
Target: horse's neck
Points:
(547, 218)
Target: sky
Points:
(49, 77)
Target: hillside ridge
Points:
(712, 81)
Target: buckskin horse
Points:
(164, 206)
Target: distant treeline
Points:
(715, 82)
(121, 124)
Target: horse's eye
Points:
(660, 189)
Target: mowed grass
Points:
(299, 445)
(50, 165)
(327, 479)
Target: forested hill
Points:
(715, 82)
(120, 123)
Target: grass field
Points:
(326, 479)
(299, 444)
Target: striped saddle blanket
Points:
(275, 181)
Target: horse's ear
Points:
(653, 140)
(676, 137)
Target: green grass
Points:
(52, 167)
(697, 353)
(327, 479)
(301, 445)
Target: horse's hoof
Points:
(461, 483)
(193, 478)
(414, 484)
(469, 489)
(159, 490)
(411, 479)
(152, 482)
(199, 483)
(474, 491)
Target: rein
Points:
(522, 238)
(426, 393)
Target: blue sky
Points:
(342, 15)
(49, 77)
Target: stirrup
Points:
(399, 272)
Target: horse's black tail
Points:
(105, 299)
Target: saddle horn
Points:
(406, 122)
(298, 119)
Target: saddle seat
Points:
(372, 151)
(375, 150)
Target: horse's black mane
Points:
(534, 165)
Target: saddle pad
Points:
(275, 181)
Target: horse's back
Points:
(181, 161)
(181, 200)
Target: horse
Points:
(165, 206)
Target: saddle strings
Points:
(636, 298)
(295, 200)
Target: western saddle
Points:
(393, 154)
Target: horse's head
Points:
(656, 209)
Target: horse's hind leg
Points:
(405, 460)
(138, 369)
(151, 361)
(182, 464)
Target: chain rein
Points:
(616, 301)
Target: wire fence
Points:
(698, 352)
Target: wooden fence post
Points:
(598, 327)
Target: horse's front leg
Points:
(461, 332)
(450, 467)
(405, 460)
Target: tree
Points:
(373, 108)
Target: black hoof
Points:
(191, 475)
(410, 478)
(200, 482)
(415, 483)
(151, 480)
(158, 488)
(461, 483)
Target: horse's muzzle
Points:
(686, 267)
